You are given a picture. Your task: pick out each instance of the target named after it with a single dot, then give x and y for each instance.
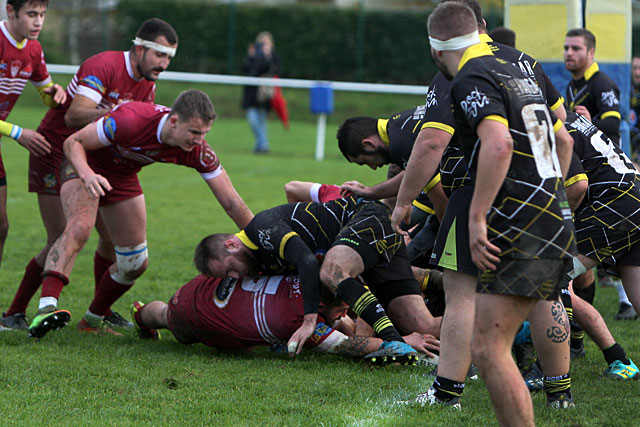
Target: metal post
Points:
(320, 136)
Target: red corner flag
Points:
(279, 104)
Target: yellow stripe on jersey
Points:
(284, 241)
(557, 125)
(474, 51)
(382, 130)
(576, 178)
(437, 125)
(423, 207)
(498, 118)
(610, 114)
(246, 240)
(558, 103)
(434, 181)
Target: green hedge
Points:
(313, 42)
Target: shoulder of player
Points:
(602, 81)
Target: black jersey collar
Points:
(474, 51)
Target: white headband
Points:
(171, 51)
(455, 43)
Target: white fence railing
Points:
(267, 81)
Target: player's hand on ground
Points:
(423, 343)
(300, 336)
(97, 186)
(397, 218)
(483, 253)
(355, 188)
(57, 92)
(582, 110)
(34, 142)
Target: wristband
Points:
(16, 132)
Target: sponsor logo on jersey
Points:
(583, 125)
(322, 330)
(223, 291)
(109, 127)
(431, 97)
(49, 181)
(473, 102)
(15, 67)
(207, 155)
(113, 95)
(609, 98)
(26, 72)
(3, 65)
(94, 83)
(264, 237)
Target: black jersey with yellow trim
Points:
(317, 224)
(613, 196)
(399, 133)
(530, 217)
(529, 67)
(599, 94)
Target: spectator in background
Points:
(261, 61)
(504, 36)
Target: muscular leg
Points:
(105, 255)
(410, 314)
(4, 219)
(80, 211)
(54, 223)
(591, 320)
(550, 334)
(338, 271)
(630, 275)
(497, 319)
(457, 325)
(126, 222)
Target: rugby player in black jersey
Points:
(591, 92)
(355, 238)
(520, 229)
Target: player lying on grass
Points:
(355, 238)
(264, 310)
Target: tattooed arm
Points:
(358, 346)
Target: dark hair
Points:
(328, 298)
(477, 11)
(451, 19)
(210, 248)
(589, 38)
(352, 132)
(18, 4)
(503, 35)
(153, 28)
(193, 103)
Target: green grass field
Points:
(73, 379)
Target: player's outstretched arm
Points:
(423, 162)
(29, 139)
(359, 346)
(75, 149)
(388, 188)
(230, 200)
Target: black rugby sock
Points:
(447, 389)
(588, 293)
(366, 305)
(559, 384)
(615, 352)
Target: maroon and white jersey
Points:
(105, 78)
(249, 312)
(19, 62)
(131, 135)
